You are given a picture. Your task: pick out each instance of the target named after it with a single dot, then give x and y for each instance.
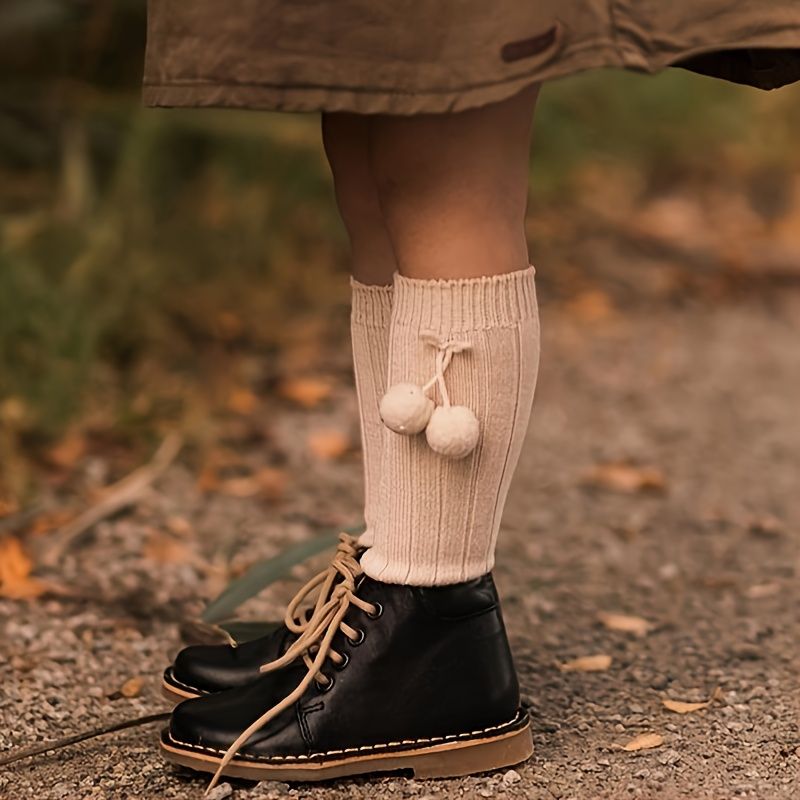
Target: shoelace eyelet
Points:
(344, 662)
(359, 640)
(325, 687)
(378, 611)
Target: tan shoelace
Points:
(336, 593)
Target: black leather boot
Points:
(382, 678)
(205, 669)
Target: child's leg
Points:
(434, 691)
(453, 188)
(373, 264)
(453, 192)
(346, 137)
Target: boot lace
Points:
(335, 588)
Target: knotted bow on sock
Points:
(336, 593)
(406, 408)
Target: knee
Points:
(424, 170)
(404, 171)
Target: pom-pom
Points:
(405, 408)
(453, 431)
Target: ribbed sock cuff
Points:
(371, 305)
(464, 304)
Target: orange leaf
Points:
(244, 486)
(625, 623)
(8, 506)
(178, 525)
(242, 401)
(680, 707)
(163, 549)
(132, 687)
(15, 572)
(208, 480)
(645, 741)
(596, 663)
(591, 306)
(306, 392)
(328, 445)
(268, 482)
(50, 521)
(68, 451)
(228, 326)
(273, 482)
(625, 478)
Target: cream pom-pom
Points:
(453, 431)
(405, 408)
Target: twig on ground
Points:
(59, 744)
(121, 494)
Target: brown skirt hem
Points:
(710, 59)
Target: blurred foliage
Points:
(142, 250)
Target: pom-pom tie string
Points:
(445, 349)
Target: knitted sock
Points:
(439, 516)
(369, 329)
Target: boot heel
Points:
(478, 756)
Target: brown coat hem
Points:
(383, 100)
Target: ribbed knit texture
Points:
(370, 314)
(439, 518)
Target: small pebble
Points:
(511, 777)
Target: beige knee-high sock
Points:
(439, 517)
(369, 329)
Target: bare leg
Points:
(345, 137)
(453, 188)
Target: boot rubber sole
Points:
(445, 757)
(176, 692)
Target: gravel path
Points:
(704, 398)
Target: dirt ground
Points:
(699, 538)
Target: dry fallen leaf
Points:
(268, 482)
(229, 326)
(8, 506)
(591, 306)
(273, 482)
(760, 590)
(165, 549)
(625, 478)
(306, 392)
(625, 623)
(242, 401)
(178, 525)
(50, 521)
(596, 663)
(208, 479)
(68, 451)
(645, 741)
(329, 444)
(244, 486)
(132, 687)
(680, 707)
(16, 582)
